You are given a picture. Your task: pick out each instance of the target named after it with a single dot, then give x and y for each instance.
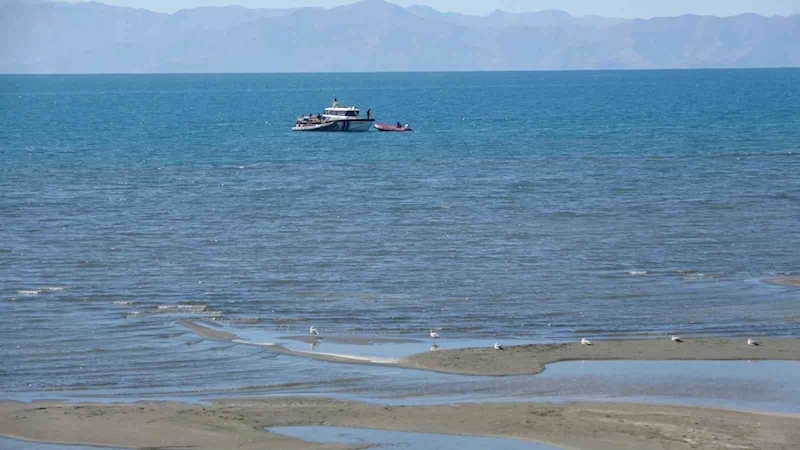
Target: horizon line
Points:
(671, 69)
(354, 2)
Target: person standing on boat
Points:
(369, 113)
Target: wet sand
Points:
(531, 359)
(241, 424)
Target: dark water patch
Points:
(283, 282)
(89, 264)
(519, 236)
(288, 320)
(240, 320)
(169, 335)
(186, 309)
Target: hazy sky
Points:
(615, 8)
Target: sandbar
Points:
(531, 359)
(793, 281)
(241, 424)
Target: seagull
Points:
(585, 341)
(676, 339)
(497, 346)
(753, 342)
(434, 334)
(313, 331)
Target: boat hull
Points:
(327, 126)
(353, 125)
(384, 127)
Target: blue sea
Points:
(525, 205)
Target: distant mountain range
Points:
(373, 35)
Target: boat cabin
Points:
(341, 112)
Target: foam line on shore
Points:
(354, 358)
(261, 344)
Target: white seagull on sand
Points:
(585, 341)
(676, 339)
(313, 331)
(497, 346)
(753, 342)
(434, 334)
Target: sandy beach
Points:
(243, 423)
(240, 424)
(532, 359)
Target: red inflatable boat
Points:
(385, 127)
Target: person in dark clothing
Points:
(369, 113)
(398, 125)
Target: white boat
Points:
(347, 118)
(312, 124)
(336, 118)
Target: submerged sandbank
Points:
(241, 424)
(793, 281)
(532, 359)
(224, 336)
(207, 332)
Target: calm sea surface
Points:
(525, 205)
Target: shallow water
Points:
(339, 435)
(243, 370)
(525, 207)
(395, 439)
(15, 444)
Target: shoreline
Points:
(242, 424)
(532, 359)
